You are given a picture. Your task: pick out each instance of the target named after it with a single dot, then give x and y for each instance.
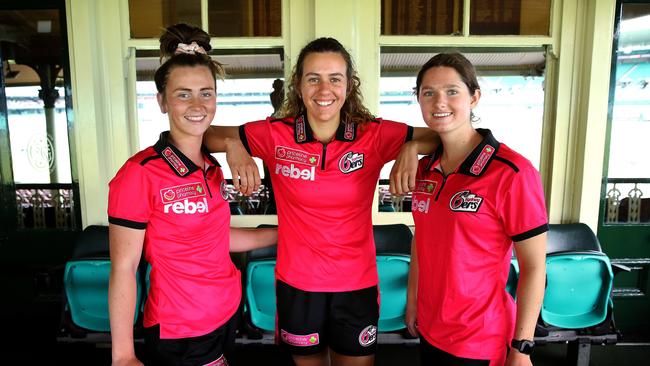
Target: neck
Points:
(324, 131)
(190, 146)
(457, 146)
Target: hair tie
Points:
(192, 49)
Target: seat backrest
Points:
(270, 252)
(92, 242)
(392, 239)
(576, 237)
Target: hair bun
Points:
(185, 34)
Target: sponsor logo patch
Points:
(465, 201)
(301, 135)
(298, 156)
(482, 160)
(426, 186)
(221, 361)
(349, 131)
(368, 336)
(174, 161)
(350, 162)
(223, 188)
(299, 340)
(177, 193)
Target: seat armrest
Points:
(617, 268)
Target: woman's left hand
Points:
(402, 175)
(516, 358)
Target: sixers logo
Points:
(350, 162)
(224, 190)
(465, 201)
(368, 336)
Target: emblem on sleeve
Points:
(350, 162)
(465, 201)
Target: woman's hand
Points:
(402, 175)
(411, 319)
(516, 358)
(245, 173)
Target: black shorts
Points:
(430, 355)
(309, 322)
(210, 349)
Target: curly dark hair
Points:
(353, 109)
(169, 40)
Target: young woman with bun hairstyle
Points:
(169, 201)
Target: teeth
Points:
(195, 118)
(441, 114)
(324, 104)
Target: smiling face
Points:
(323, 86)
(445, 100)
(190, 99)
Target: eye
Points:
(183, 95)
(335, 80)
(312, 80)
(427, 93)
(452, 92)
(207, 94)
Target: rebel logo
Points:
(188, 207)
(350, 162)
(465, 201)
(294, 155)
(294, 172)
(176, 193)
(420, 205)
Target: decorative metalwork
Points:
(45, 206)
(613, 204)
(630, 209)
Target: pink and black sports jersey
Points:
(465, 226)
(194, 286)
(324, 196)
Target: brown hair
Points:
(455, 60)
(353, 109)
(169, 40)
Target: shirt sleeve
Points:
(524, 209)
(130, 200)
(256, 137)
(390, 138)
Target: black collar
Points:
(346, 131)
(480, 158)
(177, 161)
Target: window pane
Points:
(511, 105)
(430, 17)
(244, 18)
(245, 96)
(510, 17)
(149, 17)
(628, 173)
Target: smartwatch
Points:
(524, 346)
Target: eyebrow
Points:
(189, 90)
(443, 87)
(317, 74)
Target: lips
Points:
(441, 115)
(195, 118)
(324, 103)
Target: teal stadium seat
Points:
(578, 289)
(260, 293)
(85, 281)
(513, 278)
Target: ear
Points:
(475, 98)
(161, 103)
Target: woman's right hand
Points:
(245, 173)
(411, 319)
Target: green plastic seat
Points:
(260, 293)
(578, 289)
(86, 289)
(393, 279)
(513, 278)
